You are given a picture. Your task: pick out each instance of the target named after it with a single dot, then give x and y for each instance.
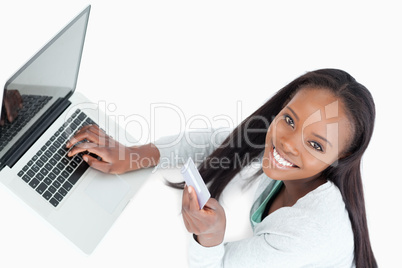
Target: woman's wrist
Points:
(143, 156)
(209, 240)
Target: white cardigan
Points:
(315, 232)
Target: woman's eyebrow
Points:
(293, 112)
(321, 137)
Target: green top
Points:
(256, 217)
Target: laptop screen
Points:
(47, 78)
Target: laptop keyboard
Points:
(31, 106)
(50, 172)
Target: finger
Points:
(185, 199)
(193, 200)
(187, 215)
(97, 164)
(88, 147)
(90, 133)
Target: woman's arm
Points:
(113, 157)
(169, 151)
(176, 149)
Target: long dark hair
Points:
(242, 146)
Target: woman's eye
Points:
(289, 121)
(316, 146)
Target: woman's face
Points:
(306, 136)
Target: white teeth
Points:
(280, 160)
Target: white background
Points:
(206, 58)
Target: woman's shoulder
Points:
(323, 208)
(318, 222)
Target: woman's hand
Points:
(208, 224)
(115, 158)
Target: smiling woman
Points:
(309, 139)
(311, 210)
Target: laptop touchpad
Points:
(108, 191)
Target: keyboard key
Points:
(26, 178)
(61, 179)
(44, 171)
(56, 184)
(35, 168)
(73, 164)
(31, 173)
(89, 121)
(82, 116)
(47, 195)
(52, 149)
(20, 173)
(52, 161)
(74, 126)
(61, 139)
(65, 174)
(39, 177)
(48, 153)
(62, 191)
(41, 188)
(58, 196)
(52, 189)
(34, 182)
(51, 176)
(60, 166)
(54, 202)
(56, 170)
(78, 159)
(57, 144)
(67, 186)
(44, 158)
(48, 166)
(40, 163)
(47, 181)
(78, 173)
(69, 169)
(65, 135)
(25, 168)
(65, 161)
(77, 121)
(57, 157)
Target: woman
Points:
(310, 138)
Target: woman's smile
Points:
(281, 162)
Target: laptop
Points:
(81, 202)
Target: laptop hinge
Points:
(29, 138)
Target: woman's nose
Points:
(289, 145)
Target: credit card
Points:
(193, 178)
